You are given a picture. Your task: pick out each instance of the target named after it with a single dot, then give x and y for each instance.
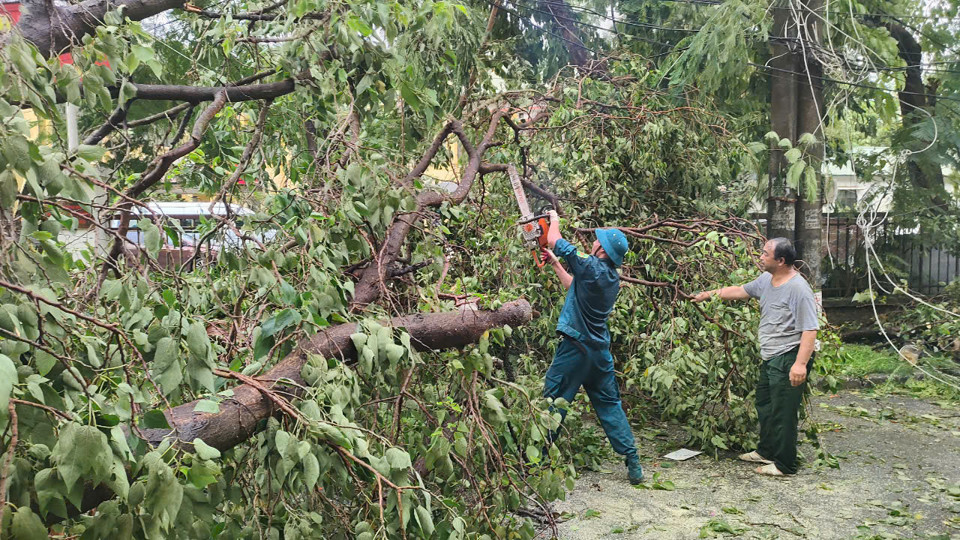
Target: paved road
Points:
(899, 477)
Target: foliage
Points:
(933, 326)
(95, 345)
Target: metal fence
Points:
(904, 256)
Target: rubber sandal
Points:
(769, 470)
(754, 457)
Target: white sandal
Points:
(754, 457)
(769, 470)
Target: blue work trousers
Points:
(575, 365)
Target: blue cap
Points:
(614, 243)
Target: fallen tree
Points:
(239, 417)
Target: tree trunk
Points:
(781, 200)
(566, 24)
(925, 175)
(810, 112)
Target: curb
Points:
(868, 381)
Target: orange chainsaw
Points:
(533, 228)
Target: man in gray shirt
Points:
(788, 331)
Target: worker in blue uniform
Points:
(583, 356)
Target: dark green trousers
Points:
(778, 407)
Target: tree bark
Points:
(55, 27)
(239, 417)
(196, 94)
(781, 200)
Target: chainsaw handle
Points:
(541, 261)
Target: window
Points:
(846, 200)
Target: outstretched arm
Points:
(735, 292)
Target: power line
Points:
(613, 19)
(574, 21)
(850, 83)
(825, 79)
(832, 12)
(578, 43)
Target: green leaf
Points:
(533, 453)
(82, 452)
(810, 186)
(8, 377)
(8, 189)
(262, 346)
(44, 361)
(166, 364)
(409, 96)
(204, 450)
(280, 321)
(198, 343)
(364, 83)
(90, 152)
(144, 54)
(756, 147)
(793, 155)
(151, 237)
(164, 493)
(358, 25)
(155, 419)
(807, 139)
(16, 150)
(207, 406)
(793, 174)
(425, 520)
(398, 459)
(311, 471)
(203, 473)
(127, 91)
(394, 352)
(27, 526)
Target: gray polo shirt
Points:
(785, 312)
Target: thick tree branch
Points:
(162, 164)
(112, 123)
(196, 94)
(241, 416)
(119, 115)
(54, 27)
(368, 287)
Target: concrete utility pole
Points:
(810, 112)
(781, 200)
(796, 107)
